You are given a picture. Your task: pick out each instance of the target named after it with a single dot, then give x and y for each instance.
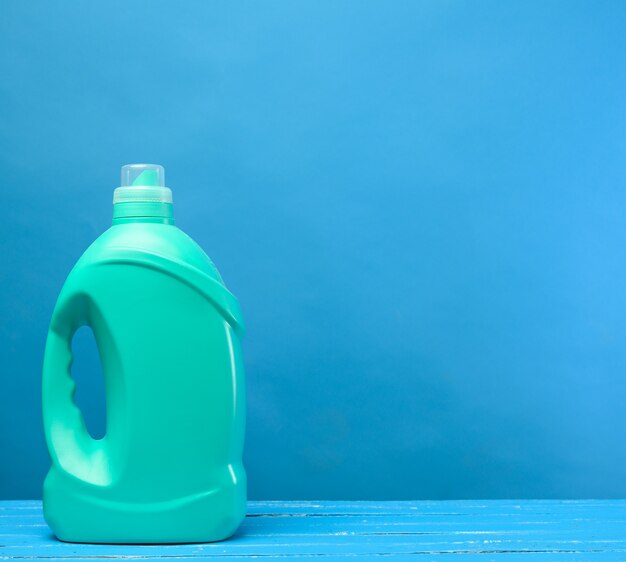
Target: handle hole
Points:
(90, 394)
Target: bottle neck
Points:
(143, 211)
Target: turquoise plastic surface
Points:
(169, 468)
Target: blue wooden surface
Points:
(446, 530)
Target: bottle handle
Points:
(71, 446)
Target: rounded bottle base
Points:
(209, 516)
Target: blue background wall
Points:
(421, 206)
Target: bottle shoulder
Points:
(164, 249)
(168, 241)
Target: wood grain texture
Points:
(586, 530)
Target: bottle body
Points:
(169, 468)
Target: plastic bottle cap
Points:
(143, 182)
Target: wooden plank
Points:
(484, 556)
(491, 530)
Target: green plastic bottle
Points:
(169, 469)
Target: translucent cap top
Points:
(143, 182)
(145, 175)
